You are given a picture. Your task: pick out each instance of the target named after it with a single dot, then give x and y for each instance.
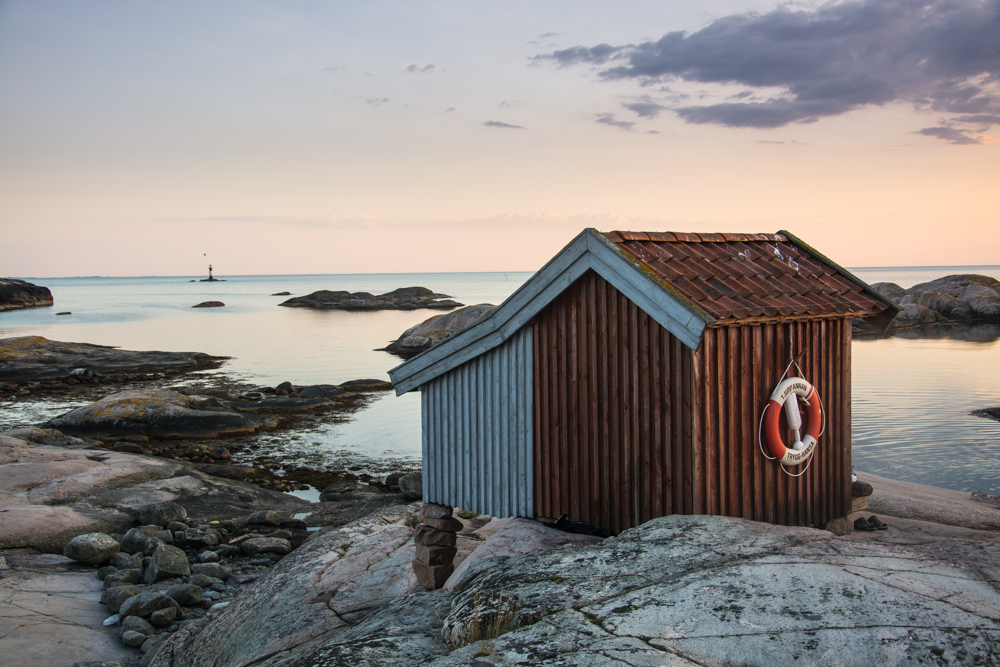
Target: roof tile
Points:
(733, 276)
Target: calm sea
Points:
(911, 397)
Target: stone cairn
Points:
(435, 538)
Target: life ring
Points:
(787, 394)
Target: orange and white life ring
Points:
(787, 394)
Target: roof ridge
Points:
(693, 237)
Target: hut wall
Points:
(613, 404)
(736, 369)
(477, 434)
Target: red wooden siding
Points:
(736, 369)
(613, 411)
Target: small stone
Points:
(449, 524)
(218, 587)
(208, 557)
(293, 524)
(432, 577)
(432, 537)
(269, 545)
(115, 597)
(146, 603)
(133, 639)
(174, 526)
(282, 534)
(163, 617)
(151, 642)
(91, 548)
(196, 538)
(211, 595)
(200, 580)
(216, 570)
(122, 578)
(436, 511)
(220, 454)
(111, 620)
(128, 447)
(861, 489)
(167, 562)
(137, 624)
(284, 389)
(105, 571)
(217, 607)
(186, 594)
(265, 518)
(436, 555)
(138, 541)
(164, 536)
(124, 561)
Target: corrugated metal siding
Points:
(736, 370)
(477, 433)
(613, 408)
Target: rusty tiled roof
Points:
(740, 276)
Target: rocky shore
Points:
(679, 590)
(960, 299)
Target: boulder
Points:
(158, 413)
(959, 298)
(137, 624)
(35, 357)
(214, 570)
(326, 391)
(160, 514)
(411, 485)
(145, 603)
(167, 562)
(116, 596)
(92, 548)
(404, 298)
(139, 541)
(185, 594)
(16, 293)
(264, 518)
(433, 330)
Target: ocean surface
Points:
(911, 397)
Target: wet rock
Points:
(159, 413)
(432, 331)
(34, 357)
(91, 548)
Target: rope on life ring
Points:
(786, 395)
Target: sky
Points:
(367, 136)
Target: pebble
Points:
(111, 620)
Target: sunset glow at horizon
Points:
(377, 137)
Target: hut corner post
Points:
(436, 537)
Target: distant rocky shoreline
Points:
(966, 300)
(404, 298)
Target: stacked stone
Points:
(435, 538)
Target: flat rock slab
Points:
(404, 298)
(35, 357)
(156, 413)
(48, 495)
(51, 614)
(929, 503)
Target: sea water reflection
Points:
(911, 396)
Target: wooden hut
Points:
(626, 380)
